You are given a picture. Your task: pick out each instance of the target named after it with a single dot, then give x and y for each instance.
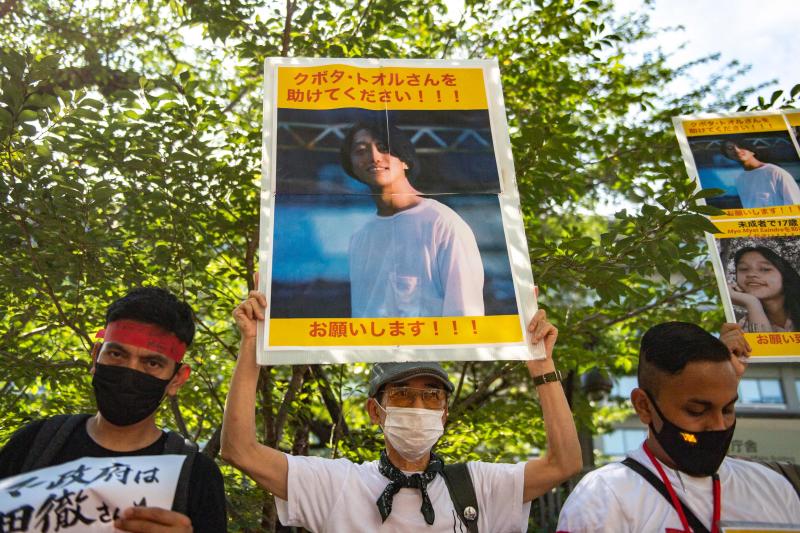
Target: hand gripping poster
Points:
(390, 227)
(754, 159)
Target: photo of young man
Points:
(760, 184)
(415, 256)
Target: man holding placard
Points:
(407, 489)
(135, 367)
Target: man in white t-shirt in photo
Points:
(680, 477)
(760, 184)
(405, 490)
(415, 256)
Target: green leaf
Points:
(708, 210)
(5, 117)
(698, 222)
(91, 102)
(689, 273)
(708, 193)
(49, 62)
(27, 115)
(43, 149)
(14, 62)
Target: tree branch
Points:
(47, 286)
(228, 348)
(265, 384)
(331, 404)
(634, 312)
(6, 7)
(286, 40)
(479, 394)
(361, 19)
(298, 374)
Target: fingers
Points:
(152, 520)
(733, 338)
(540, 327)
(542, 330)
(253, 308)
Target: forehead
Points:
(363, 137)
(708, 381)
(753, 256)
(418, 382)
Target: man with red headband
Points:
(135, 367)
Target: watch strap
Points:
(550, 377)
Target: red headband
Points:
(145, 336)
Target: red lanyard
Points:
(676, 503)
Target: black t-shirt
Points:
(206, 488)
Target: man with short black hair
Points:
(408, 488)
(680, 477)
(415, 256)
(760, 184)
(136, 366)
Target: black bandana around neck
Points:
(398, 480)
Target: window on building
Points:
(761, 391)
(623, 386)
(620, 441)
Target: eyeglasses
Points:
(407, 396)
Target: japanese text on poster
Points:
(86, 494)
(335, 86)
(390, 225)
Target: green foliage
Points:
(130, 140)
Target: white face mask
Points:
(412, 432)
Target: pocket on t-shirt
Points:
(407, 294)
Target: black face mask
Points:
(698, 453)
(126, 396)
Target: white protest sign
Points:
(86, 494)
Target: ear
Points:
(179, 379)
(444, 416)
(95, 353)
(374, 411)
(641, 403)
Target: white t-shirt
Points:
(615, 498)
(423, 261)
(337, 495)
(767, 186)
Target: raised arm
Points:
(267, 466)
(562, 458)
(733, 337)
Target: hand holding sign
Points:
(248, 313)
(153, 520)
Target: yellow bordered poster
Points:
(757, 263)
(754, 159)
(390, 225)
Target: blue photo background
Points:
(318, 206)
(310, 273)
(718, 172)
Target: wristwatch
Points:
(547, 378)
